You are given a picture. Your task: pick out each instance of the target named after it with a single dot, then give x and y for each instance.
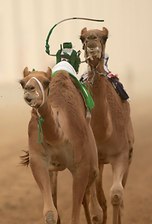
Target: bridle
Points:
(41, 88)
(95, 71)
(40, 118)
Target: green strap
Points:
(47, 46)
(40, 131)
(86, 95)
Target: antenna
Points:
(47, 46)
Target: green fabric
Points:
(67, 45)
(73, 59)
(40, 131)
(86, 95)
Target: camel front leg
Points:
(120, 168)
(41, 175)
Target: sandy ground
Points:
(20, 199)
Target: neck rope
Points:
(94, 70)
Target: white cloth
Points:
(66, 66)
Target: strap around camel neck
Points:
(41, 88)
(40, 131)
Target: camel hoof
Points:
(49, 218)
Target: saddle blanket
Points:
(64, 65)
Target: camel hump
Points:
(65, 66)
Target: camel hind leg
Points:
(84, 192)
(101, 195)
(86, 201)
(53, 182)
(80, 181)
(92, 208)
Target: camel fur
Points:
(67, 142)
(111, 122)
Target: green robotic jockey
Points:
(67, 53)
(69, 60)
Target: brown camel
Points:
(111, 122)
(60, 137)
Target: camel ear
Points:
(25, 72)
(83, 32)
(49, 73)
(105, 33)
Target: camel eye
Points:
(29, 87)
(92, 37)
(32, 87)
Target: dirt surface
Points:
(20, 199)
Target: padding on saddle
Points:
(119, 87)
(64, 65)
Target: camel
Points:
(111, 122)
(60, 137)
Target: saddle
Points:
(114, 80)
(66, 66)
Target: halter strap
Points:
(41, 88)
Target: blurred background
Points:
(24, 26)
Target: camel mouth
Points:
(93, 52)
(30, 101)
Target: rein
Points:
(95, 71)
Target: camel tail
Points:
(24, 158)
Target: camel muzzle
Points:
(93, 52)
(29, 100)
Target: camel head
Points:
(94, 43)
(36, 87)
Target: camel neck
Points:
(49, 126)
(101, 113)
(99, 93)
(97, 66)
